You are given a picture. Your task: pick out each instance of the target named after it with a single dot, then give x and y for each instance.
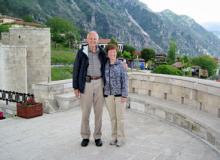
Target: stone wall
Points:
(13, 68)
(38, 49)
(201, 94)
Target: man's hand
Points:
(77, 92)
(123, 99)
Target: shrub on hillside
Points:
(167, 69)
(206, 62)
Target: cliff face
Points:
(129, 21)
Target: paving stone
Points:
(57, 136)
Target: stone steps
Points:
(66, 101)
(200, 123)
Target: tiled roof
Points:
(104, 41)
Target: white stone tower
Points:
(24, 58)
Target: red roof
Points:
(104, 41)
(178, 65)
(138, 53)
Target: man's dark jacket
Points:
(81, 65)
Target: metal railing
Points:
(16, 97)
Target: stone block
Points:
(67, 101)
(199, 130)
(217, 144)
(50, 106)
(140, 107)
(210, 138)
(160, 113)
(169, 116)
(151, 109)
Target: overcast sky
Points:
(200, 10)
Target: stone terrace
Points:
(56, 136)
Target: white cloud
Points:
(200, 10)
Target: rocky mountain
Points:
(129, 21)
(213, 27)
(217, 33)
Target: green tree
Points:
(148, 54)
(63, 30)
(70, 39)
(167, 69)
(28, 19)
(127, 55)
(171, 52)
(206, 62)
(130, 49)
(113, 41)
(119, 54)
(4, 28)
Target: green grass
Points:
(62, 55)
(61, 73)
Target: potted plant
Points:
(29, 108)
(1, 116)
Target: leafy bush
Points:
(167, 69)
(206, 62)
(127, 55)
(63, 31)
(172, 52)
(131, 50)
(4, 28)
(148, 54)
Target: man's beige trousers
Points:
(92, 96)
(116, 110)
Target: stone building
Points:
(24, 58)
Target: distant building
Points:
(16, 22)
(103, 43)
(160, 58)
(9, 20)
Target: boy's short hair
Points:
(110, 47)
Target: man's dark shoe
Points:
(85, 142)
(98, 142)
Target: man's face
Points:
(92, 39)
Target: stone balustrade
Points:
(202, 94)
(189, 103)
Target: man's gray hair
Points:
(94, 33)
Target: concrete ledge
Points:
(201, 94)
(67, 101)
(197, 122)
(47, 93)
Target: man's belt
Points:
(89, 78)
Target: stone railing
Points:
(201, 94)
(188, 103)
(54, 93)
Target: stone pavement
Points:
(56, 137)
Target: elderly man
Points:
(88, 76)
